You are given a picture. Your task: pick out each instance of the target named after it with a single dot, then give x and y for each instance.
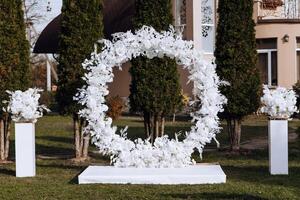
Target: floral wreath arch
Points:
(164, 152)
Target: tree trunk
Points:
(77, 134)
(2, 145)
(7, 137)
(237, 135)
(85, 148)
(230, 131)
(81, 140)
(5, 131)
(156, 122)
(146, 125)
(149, 126)
(81, 144)
(234, 129)
(174, 118)
(152, 128)
(159, 126)
(162, 126)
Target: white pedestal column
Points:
(197, 27)
(48, 76)
(25, 149)
(278, 147)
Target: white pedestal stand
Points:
(25, 149)
(278, 146)
(198, 174)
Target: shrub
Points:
(185, 99)
(155, 87)
(81, 27)
(236, 58)
(48, 99)
(14, 62)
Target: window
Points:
(291, 8)
(267, 60)
(298, 8)
(298, 58)
(208, 25)
(180, 15)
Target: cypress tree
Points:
(82, 26)
(14, 62)
(236, 63)
(155, 89)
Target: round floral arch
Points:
(164, 152)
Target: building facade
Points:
(278, 41)
(277, 35)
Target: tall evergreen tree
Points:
(82, 26)
(155, 89)
(236, 63)
(14, 62)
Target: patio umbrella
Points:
(117, 17)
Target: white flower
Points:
(24, 106)
(279, 103)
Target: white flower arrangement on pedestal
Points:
(279, 103)
(24, 106)
(164, 152)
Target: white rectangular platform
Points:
(198, 174)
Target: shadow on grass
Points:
(78, 168)
(62, 166)
(138, 132)
(261, 174)
(225, 155)
(53, 150)
(214, 195)
(298, 131)
(74, 180)
(56, 139)
(8, 172)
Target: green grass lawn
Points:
(247, 175)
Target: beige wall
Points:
(189, 20)
(122, 78)
(286, 51)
